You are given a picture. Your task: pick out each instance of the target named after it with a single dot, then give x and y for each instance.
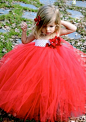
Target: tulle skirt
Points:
(43, 83)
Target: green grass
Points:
(14, 17)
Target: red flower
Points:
(47, 44)
(54, 42)
(37, 20)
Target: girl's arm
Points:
(24, 38)
(69, 28)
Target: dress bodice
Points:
(41, 42)
(54, 42)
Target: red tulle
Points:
(43, 83)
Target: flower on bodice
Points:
(54, 42)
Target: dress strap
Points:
(57, 34)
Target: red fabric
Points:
(43, 83)
(54, 43)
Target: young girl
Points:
(44, 80)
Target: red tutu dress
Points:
(43, 80)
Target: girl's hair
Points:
(48, 14)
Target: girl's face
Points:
(48, 29)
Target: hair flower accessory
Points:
(37, 20)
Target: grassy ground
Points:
(13, 20)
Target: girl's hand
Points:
(24, 26)
(69, 28)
